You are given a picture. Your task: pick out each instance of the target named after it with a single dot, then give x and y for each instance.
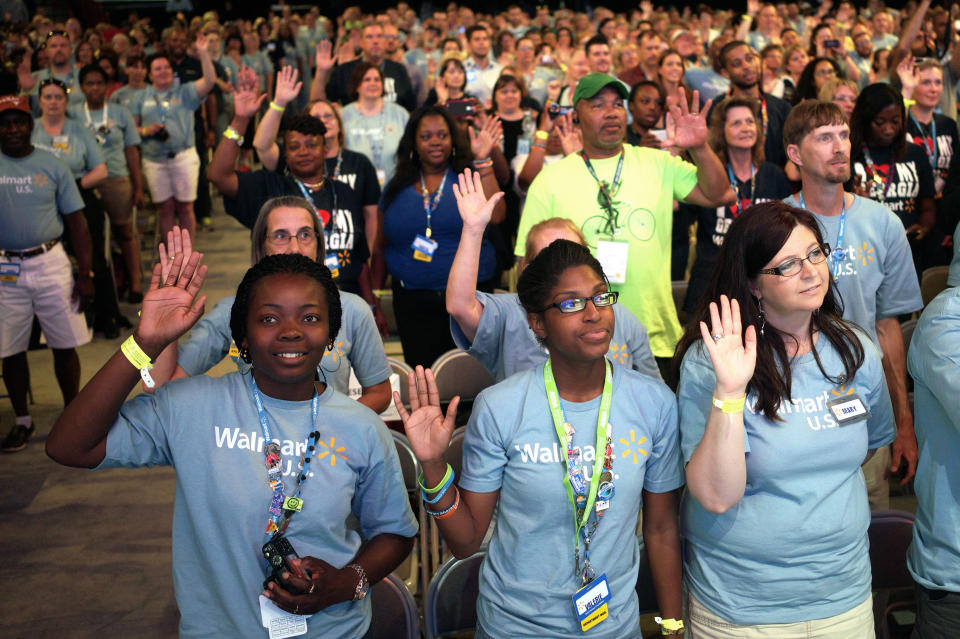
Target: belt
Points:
(31, 252)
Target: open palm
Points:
(171, 309)
(686, 126)
(475, 208)
(427, 428)
(734, 357)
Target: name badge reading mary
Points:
(591, 603)
(848, 409)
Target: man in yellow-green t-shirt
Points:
(622, 197)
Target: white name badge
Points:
(332, 262)
(280, 623)
(9, 273)
(423, 248)
(381, 176)
(848, 409)
(590, 603)
(613, 258)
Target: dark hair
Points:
(542, 274)
(283, 264)
(307, 125)
(648, 83)
(727, 48)
(153, 57)
(55, 82)
(806, 85)
(134, 60)
(872, 100)
(753, 239)
(407, 170)
(602, 24)
(506, 79)
(569, 33)
(718, 122)
(807, 116)
(813, 37)
(92, 68)
(473, 28)
(595, 41)
(456, 62)
(356, 78)
(453, 40)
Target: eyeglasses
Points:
(577, 304)
(304, 236)
(793, 266)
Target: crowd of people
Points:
(793, 169)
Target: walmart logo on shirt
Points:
(25, 184)
(815, 409)
(291, 450)
(537, 453)
(855, 257)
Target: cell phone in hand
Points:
(832, 44)
(461, 108)
(279, 553)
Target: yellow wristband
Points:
(140, 360)
(907, 102)
(730, 405)
(276, 107)
(232, 134)
(669, 626)
(541, 135)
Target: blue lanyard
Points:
(838, 254)
(282, 508)
(430, 204)
(932, 150)
(735, 183)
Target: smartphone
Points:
(555, 110)
(832, 44)
(461, 108)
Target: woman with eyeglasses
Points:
(818, 72)
(285, 224)
(113, 128)
(841, 92)
(567, 453)
(737, 138)
(781, 401)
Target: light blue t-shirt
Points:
(953, 276)
(505, 345)
(376, 136)
(207, 429)
(261, 64)
(877, 277)
(794, 548)
(75, 146)
(71, 79)
(358, 344)
(174, 108)
(527, 579)
(934, 363)
(125, 95)
(121, 132)
(35, 191)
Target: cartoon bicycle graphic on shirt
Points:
(618, 215)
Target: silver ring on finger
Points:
(313, 586)
(296, 610)
(717, 337)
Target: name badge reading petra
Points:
(613, 258)
(590, 603)
(424, 248)
(9, 273)
(332, 262)
(848, 409)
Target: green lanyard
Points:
(580, 516)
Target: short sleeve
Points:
(371, 185)
(484, 453)
(367, 356)
(932, 365)
(93, 155)
(252, 189)
(209, 341)
(881, 427)
(899, 292)
(536, 208)
(380, 502)
(69, 199)
(130, 135)
(664, 469)
(487, 344)
(684, 176)
(638, 342)
(138, 436)
(189, 98)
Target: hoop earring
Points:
(245, 354)
(763, 318)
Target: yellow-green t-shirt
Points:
(650, 181)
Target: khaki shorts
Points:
(115, 193)
(43, 288)
(175, 177)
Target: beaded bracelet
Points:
(438, 515)
(443, 490)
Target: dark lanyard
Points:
(283, 508)
(607, 191)
(932, 150)
(737, 208)
(308, 196)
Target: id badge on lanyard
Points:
(9, 273)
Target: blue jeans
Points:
(938, 614)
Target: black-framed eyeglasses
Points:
(794, 265)
(577, 304)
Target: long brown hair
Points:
(718, 122)
(753, 239)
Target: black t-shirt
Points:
(896, 185)
(190, 70)
(345, 236)
(513, 131)
(777, 111)
(396, 85)
(945, 146)
(357, 172)
(712, 224)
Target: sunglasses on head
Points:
(55, 82)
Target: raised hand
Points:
(325, 60)
(288, 88)
(170, 306)
(686, 126)
(482, 141)
(475, 208)
(247, 80)
(178, 243)
(733, 356)
(570, 139)
(202, 44)
(909, 76)
(443, 94)
(427, 428)
(247, 101)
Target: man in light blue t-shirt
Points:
(870, 262)
(934, 556)
(953, 277)
(59, 53)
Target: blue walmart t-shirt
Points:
(877, 277)
(75, 146)
(120, 132)
(528, 576)
(357, 344)
(207, 429)
(505, 345)
(174, 108)
(795, 546)
(934, 362)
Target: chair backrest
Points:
(408, 462)
(394, 611)
(402, 369)
(451, 602)
(458, 373)
(907, 329)
(454, 453)
(933, 280)
(890, 534)
(679, 289)
(386, 305)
